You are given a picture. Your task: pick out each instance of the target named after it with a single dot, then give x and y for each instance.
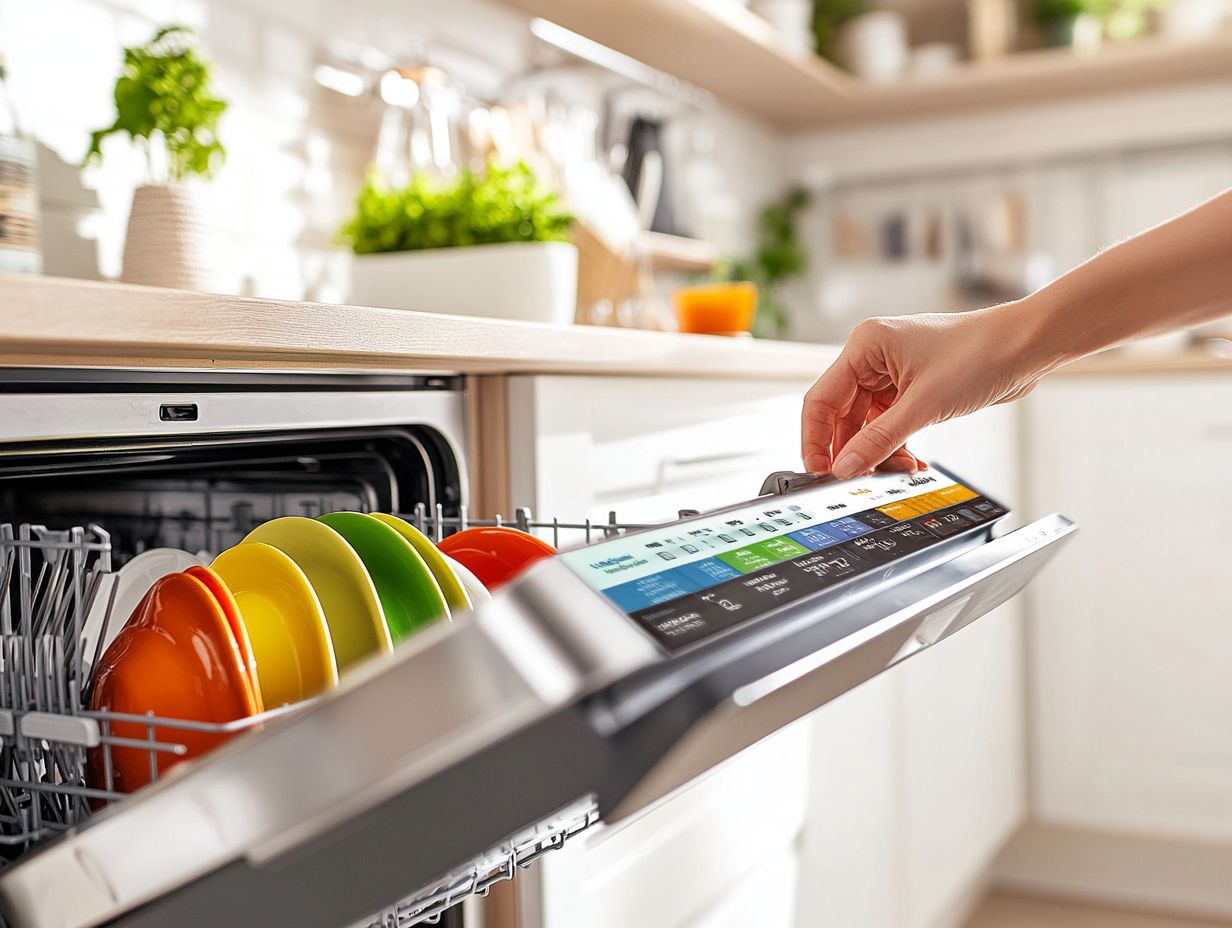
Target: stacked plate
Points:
(274, 621)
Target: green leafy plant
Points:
(163, 96)
(779, 257)
(1051, 12)
(1118, 19)
(499, 204)
(828, 17)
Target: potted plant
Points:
(165, 105)
(1072, 23)
(486, 243)
(779, 257)
(828, 17)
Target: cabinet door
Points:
(918, 776)
(961, 709)
(1130, 631)
(647, 447)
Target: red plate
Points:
(495, 554)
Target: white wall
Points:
(1088, 172)
(296, 152)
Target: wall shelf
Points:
(676, 253)
(731, 52)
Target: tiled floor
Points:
(1001, 910)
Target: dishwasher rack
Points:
(52, 580)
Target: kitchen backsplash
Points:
(296, 151)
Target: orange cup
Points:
(716, 309)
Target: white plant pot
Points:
(171, 241)
(874, 45)
(791, 19)
(526, 281)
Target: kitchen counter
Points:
(1188, 361)
(47, 321)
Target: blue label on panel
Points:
(851, 528)
(817, 537)
(712, 571)
(657, 588)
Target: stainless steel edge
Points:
(902, 621)
(101, 416)
(484, 678)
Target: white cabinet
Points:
(722, 852)
(1130, 631)
(918, 776)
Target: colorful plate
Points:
(455, 593)
(290, 640)
(353, 613)
(410, 596)
(131, 582)
(474, 589)
(176, 658)
(495, 554)
(231, 612)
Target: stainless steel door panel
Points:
(888, 627)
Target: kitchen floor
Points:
(1002, 910)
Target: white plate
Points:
(124, 590)
(474, 588)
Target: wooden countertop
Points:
(46, 321)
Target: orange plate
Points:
(495, 554)
(175, 657)
(235, 621)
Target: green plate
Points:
(409, 594)
(451, 586)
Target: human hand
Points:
(897, 375)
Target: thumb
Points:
(879, 438)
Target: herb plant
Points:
(828, 17)
(779, 256)
(499, 204)
(163, 96)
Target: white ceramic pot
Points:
(526, 281)
(791, 19)
(874, 45)
(171, 241)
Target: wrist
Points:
(1041, 337)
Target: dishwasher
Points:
(601, 681)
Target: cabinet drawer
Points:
(648, 446)
(681, 858)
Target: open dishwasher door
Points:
(610, 675)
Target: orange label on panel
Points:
(904, 509)
(955, 493)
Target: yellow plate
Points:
(352, 611)
(455, 594)
(284, 620)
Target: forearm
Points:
(1175, 275)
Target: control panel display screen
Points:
(690, 580)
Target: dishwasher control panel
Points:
(693, 579)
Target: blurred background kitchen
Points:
(1070, 765)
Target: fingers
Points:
(826, 401)
(879, 439)
(901, 461)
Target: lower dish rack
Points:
(50, 582)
